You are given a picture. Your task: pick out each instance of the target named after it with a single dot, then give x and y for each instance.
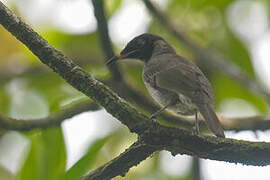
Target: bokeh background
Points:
(29, 90)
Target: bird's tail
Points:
(211, 119)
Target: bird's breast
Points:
(163, 97)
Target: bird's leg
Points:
(196, 127)
(154, 115)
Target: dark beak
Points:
(112, 60)
(115, 58)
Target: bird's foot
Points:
(153, 118)
(195, 130)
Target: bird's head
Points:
(141, 47)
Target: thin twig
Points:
(50, 121)
(141, 100)
(253, 123)
(104, 36)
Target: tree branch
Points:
(51, 121)
(210, 56)
(180, 141)
(236, 124)
(72, 73)
(251, 123)
(156, 136)
(120, 165)
(104, 36)
(6, 72)
(135, 95)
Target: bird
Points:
(174, 83)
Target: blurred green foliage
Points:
(204, 21)
(47, 156)
(83, 165)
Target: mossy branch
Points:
(71, 72)
(180, 141)
(119, 84)
(120, 165)
(156, 136)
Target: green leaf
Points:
(82, 48)
(4, 100)
(226, 87)
(85, 163)
(47, 156)
(235, 50)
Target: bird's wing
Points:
(186, 78)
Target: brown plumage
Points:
(174, 82)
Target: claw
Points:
(153, 118)
(195, 131)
